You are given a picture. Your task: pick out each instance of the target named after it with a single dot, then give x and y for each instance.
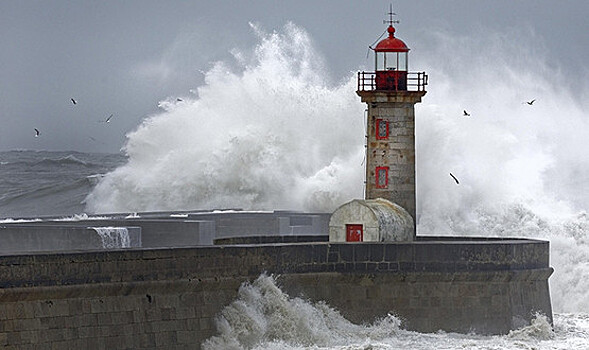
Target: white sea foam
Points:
(113, 237)
(82, 217)
(540, 329)
(265, 317)
(13, 221)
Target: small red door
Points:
(354, 233)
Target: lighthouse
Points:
(387, 212)
(390, 93)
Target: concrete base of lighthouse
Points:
(371, 220)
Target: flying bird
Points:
(531, 102)
(74, 101)
(37, 133)
(465, 113)
(455, 179)
(107, 120)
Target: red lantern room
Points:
(391, 63)
(391, 66)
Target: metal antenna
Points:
(384, 21)
(391, 14)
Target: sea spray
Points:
(522, 168)
(271, 133)
(263, 316)
(82, 217)
(113, 237)
(540, 329)
(508, 152)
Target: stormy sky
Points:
(123, 57)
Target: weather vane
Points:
(391, 14)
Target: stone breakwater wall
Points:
(168, 298)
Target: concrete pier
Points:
(168, 298)
(66, 290)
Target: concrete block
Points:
(37, 238)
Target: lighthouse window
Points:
(380, 61)
(382, 177)
(402, 61)
(391, 60)
(382, 129)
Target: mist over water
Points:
(270, 130)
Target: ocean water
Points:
(42, 183)
(270, 129)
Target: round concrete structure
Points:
(380, 221)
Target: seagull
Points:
(465, 113)
(73, 101)
(455, 179)
(531, 102)
(37, 133)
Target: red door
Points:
(354, 233)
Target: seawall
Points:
(168, 298)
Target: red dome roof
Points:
(391, 44)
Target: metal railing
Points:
(414, 81)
